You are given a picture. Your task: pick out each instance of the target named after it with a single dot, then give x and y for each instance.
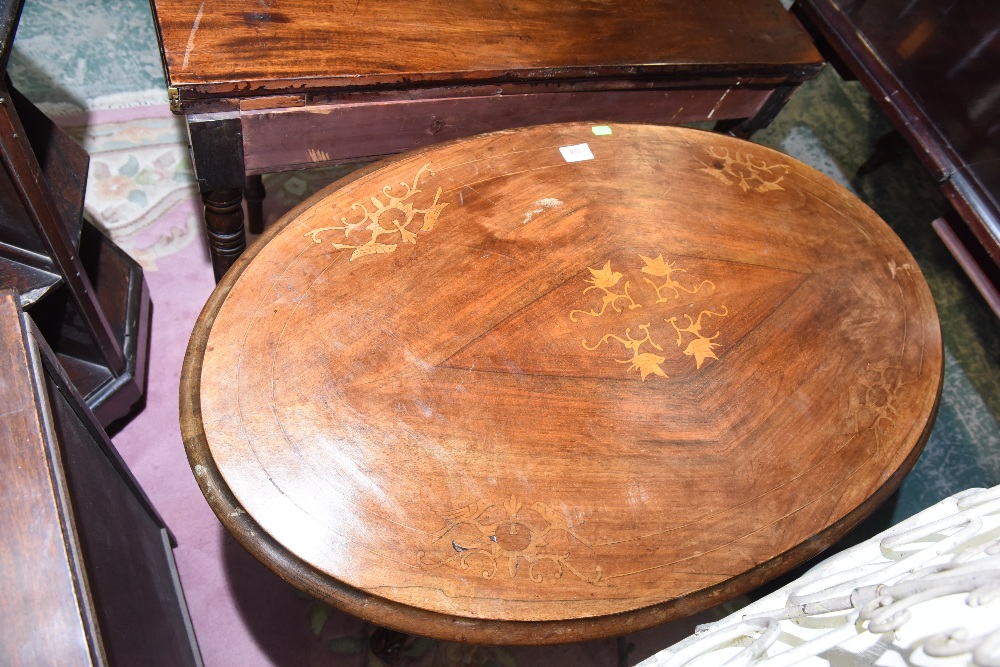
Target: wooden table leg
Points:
(386, 644)
(625, 647)
(217, 156)
(774, 103)
(888, 147)
(254, 194)
(224, 225)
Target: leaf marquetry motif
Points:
(745, 170)
(645, 359)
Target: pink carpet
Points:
(141, 192)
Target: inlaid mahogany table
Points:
(560, 383)
(286, 84)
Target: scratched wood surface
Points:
(487, 393)
(57, 625)
(261, 46)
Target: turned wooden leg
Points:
(254, 194)
(625, 647)
(224, 224)
(217, 156)
(888, 147)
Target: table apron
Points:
(299, 137)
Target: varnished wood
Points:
(254, 195)
(48, 616)
(63, 163)
(88, 574)
(311, 83)
(224, 224)
(228, 49)
(26, 175)
(350, 131)
(982, 272)
(931, 67)
(123, 296)
(488, 394)
(87, 296)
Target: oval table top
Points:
(560, 383)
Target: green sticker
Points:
(601, 130)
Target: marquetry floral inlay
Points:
(384, 224)
(659, 300)
(538, 542)
(745, 170)
(874, 400)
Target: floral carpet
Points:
(141, 187)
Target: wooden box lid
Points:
(561, 382)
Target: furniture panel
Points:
(340, 133)
(931, 67)
(87, 296)
(89, 576)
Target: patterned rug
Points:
(82, 55)
(141, 190)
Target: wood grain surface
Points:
(560, 383)
(48, 617)
(315, 42)
(88, 573)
